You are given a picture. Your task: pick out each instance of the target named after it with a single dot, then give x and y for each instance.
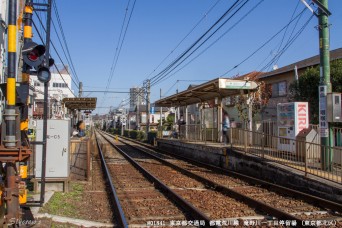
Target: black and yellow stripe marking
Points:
(28, 22)
(12, 52)
(28, 11)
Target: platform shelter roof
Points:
(219, 87)
(80, 103)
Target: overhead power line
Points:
(288, 44)
(180, 42)
(65, 41)
(120, 44)
(41, 38)
(161, 73)
(119, 47)
(168, 75)
(263, 45)
(53, 46)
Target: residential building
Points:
(59, 87)
(279, 81)
(137, 119)
(136, 97)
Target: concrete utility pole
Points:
(161, 114)
(148, 106)
(80, 93)
(325, 84)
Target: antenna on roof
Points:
(275, 67)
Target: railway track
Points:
(250, 201)
(139, 200)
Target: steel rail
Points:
(229, 192)
(180, 201)
(122, 219)
(287, 191)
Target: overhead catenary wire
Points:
(118, 44)
(160, 74)
(76, 84)
(284, 35)
(288, 44)
(65, 41)
(263, 45)
(119, 48)
(69, 63)
(209, 46)
(235, 4)
(181, 41)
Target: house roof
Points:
(80, 103)
(249, 76)
(312, 61)
(219, 87)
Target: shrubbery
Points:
(151, 136)
(126, 133)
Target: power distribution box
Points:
(334, 107)
(57, 149)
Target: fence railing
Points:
(310, 157)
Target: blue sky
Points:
(92, 30)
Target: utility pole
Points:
(148, 106)
(46, 86)
(161, 115)
(80, 93)
(325, 84)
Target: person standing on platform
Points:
(225, 128)
(181, 122)
(81, 128)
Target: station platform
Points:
(235, 158)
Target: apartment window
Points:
(279, 89)
(59, 85)
(36, 84)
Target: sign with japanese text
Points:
(236, 84)
(323, 123)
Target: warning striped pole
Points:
(28, 10)
(10, 140)
(11, 185)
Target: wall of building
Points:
(280, 82)
(57, 87)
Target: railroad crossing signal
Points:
(34, 56)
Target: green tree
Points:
(258, 99)
(306, 87)
(168, 122)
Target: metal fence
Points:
(191, 132)
(310, 157)
(302, 154)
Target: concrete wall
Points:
(256, 167)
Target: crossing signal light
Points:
(33, 54)
(44, 74)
